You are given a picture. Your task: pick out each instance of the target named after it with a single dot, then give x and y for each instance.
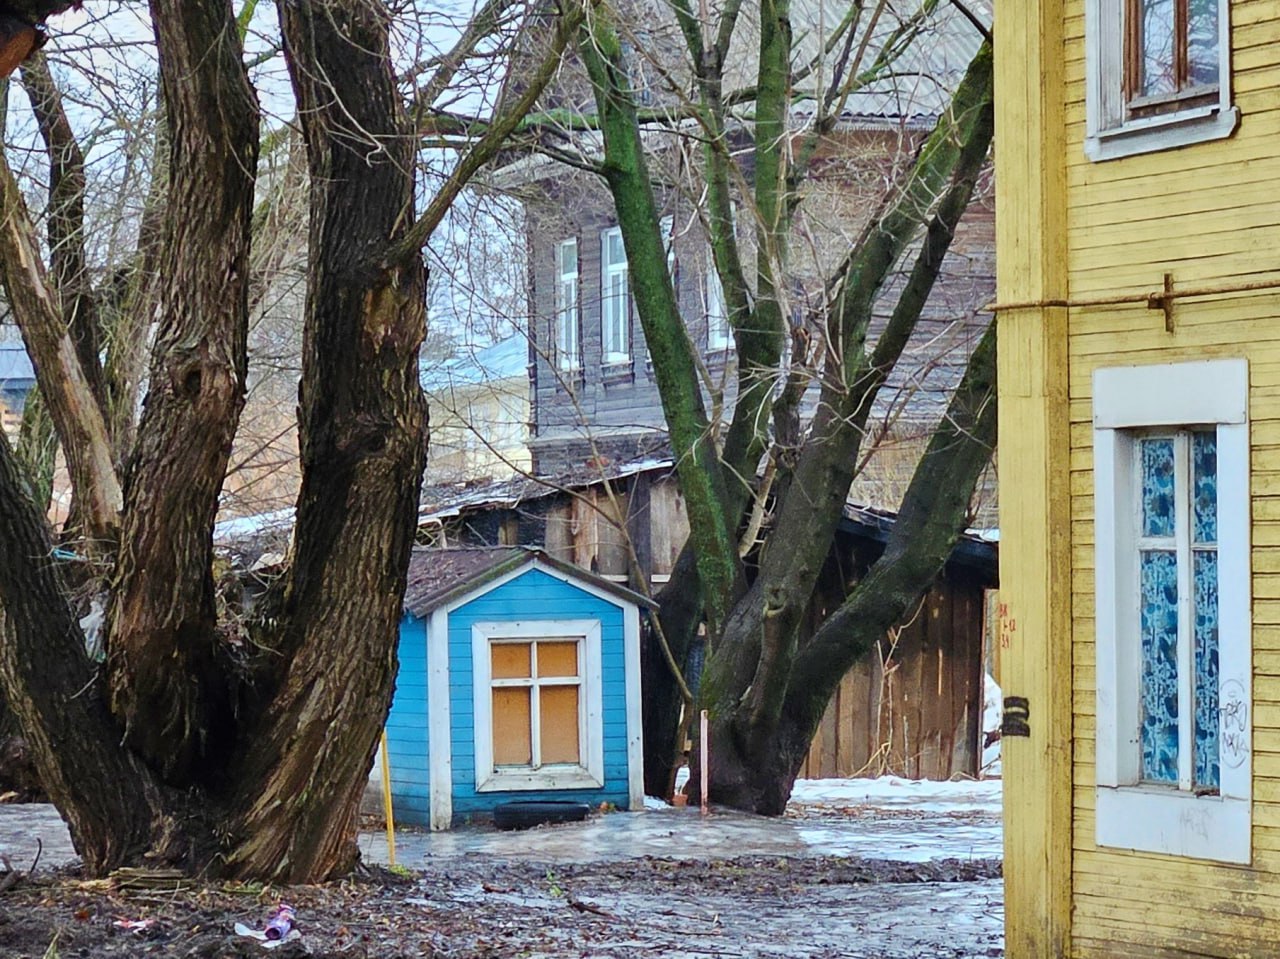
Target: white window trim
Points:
(568, 357)
(1145, 817)
(1108, 135)
(614, 352)
(590, 715)
(719, 337)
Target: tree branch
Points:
(66, 388)
(495, 137)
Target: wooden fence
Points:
(913, 706)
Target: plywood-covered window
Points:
(1158, 75)
(1174, 629)
(537, 702)
(538, 718)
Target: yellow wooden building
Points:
(1138, 214)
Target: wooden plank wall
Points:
(913, 707)
(1209, 215)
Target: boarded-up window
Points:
(537, 702)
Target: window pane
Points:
(569, 257)
(512, 743)
(558, 659)
(1205, 566)
(510, 660)
(1157, 486)
(559, 713)
(615, 252)
(1202, 43)
(1159, 666)
(1156, 53)
(1204, 458)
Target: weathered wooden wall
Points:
(914, 707)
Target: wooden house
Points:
(593, 386)
(1138, 306)
(519, 680)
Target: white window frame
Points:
(1131, 815)
(589, 775)
(615, 311)
(719, 337)
(568, 357)
(1109, 133)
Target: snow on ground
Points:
(891, 792)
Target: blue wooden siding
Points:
(534, 595)
(407, 728)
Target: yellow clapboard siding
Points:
(1206, 214)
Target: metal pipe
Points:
(1154, 299)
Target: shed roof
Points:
(16, 371)
(439, 576)
(506, 359)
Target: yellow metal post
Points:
(386, 802)
(1035, 505)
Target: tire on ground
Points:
(526, 813)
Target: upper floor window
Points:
(667, 227)
(1158, 75)
(567, 355)
(615, 297)
(717, 311)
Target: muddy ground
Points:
(780, 908)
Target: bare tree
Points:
(185, 748)
(750, 582)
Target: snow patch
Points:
(892, 792)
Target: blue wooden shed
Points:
(519, 679)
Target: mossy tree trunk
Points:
(765, 684)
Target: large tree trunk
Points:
(165, 682)
(765, 689)
(363, 423)
(173, 754)
(112, 803)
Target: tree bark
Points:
(165, 682)
(363, 424)
(756, 770)
(114, 807)
(66, 221)
(66, 389)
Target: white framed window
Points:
(615, 298)
(1158, 75)
(718, 335)
(1174, 628)
(568, 356)
(667, 227)
(538, 705)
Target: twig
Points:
(582, 906)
